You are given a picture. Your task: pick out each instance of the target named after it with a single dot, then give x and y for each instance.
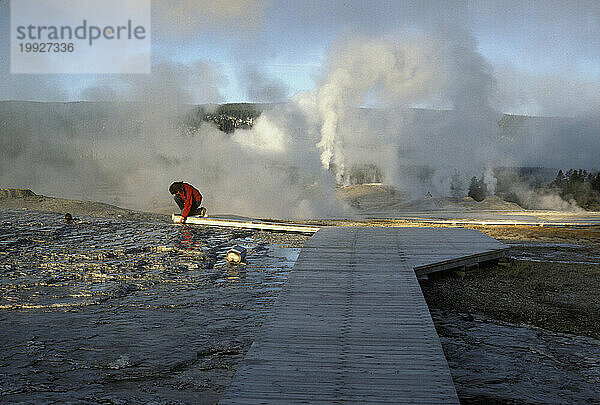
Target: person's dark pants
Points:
(181, 204)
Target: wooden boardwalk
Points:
(351, 324)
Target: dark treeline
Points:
(574, 185)
(579, 185)
(227, 117)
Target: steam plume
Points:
(260, 87)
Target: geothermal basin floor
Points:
(351, 323)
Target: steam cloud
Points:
(260, 87)
(445, 70)
(129, 150)
(289, 162)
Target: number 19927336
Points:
(46, 47)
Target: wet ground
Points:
(524, 331)
(496, 362)
(555, 252)
(114, 310)
(117, 311)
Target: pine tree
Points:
(560, 179)
(596, 183)
(477, 189)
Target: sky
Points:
(544, 55)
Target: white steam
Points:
(396, 73)
(289, 162)
(489, 180)
(170, 84)
(261, 87)
(438, 71)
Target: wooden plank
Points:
(248, 224)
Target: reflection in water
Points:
(112, 310)
(186, 239)
(233, 273)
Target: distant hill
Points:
(93, 112)
(564, 142)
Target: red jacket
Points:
(189, 196)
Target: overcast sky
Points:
(545, 55)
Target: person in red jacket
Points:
(188, 198)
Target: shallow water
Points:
(119, 311)
(495, 362)
(555, 252)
